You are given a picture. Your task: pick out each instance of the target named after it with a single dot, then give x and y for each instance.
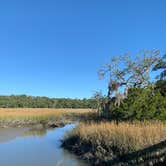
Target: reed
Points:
(126, 137)
(105, 141)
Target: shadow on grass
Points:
(153, 155)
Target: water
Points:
(19, 147)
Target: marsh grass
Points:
(38, 112)
(107, 139)
(10, 116)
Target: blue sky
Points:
(55, 47)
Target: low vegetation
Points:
(103, 142)
(37, 112)
(30, 116)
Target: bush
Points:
(141, 104)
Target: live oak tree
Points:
(128, 71)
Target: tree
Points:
(100, 101)
(128, 71)
(160, 86)
(161, 65)
(44, 102)
(143, 103)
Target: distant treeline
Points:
(24, 101)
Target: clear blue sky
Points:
(55, 47)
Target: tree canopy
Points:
(44, 102)
(132, 94)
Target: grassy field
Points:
(23, 116)
(104, 141)
(38, 112)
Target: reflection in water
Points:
(38, 148)
(41, 133)
(7, 134)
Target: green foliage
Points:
(144, 104)
(131, 94)
(23, 101)
(161, 86)
(141, 104)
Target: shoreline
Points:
(35, 124)
(153, 155)
(111, 144)
(41, 117)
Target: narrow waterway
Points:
(21, 147)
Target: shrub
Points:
(141, 104)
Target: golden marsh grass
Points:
(126, 137)
(26, 113)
